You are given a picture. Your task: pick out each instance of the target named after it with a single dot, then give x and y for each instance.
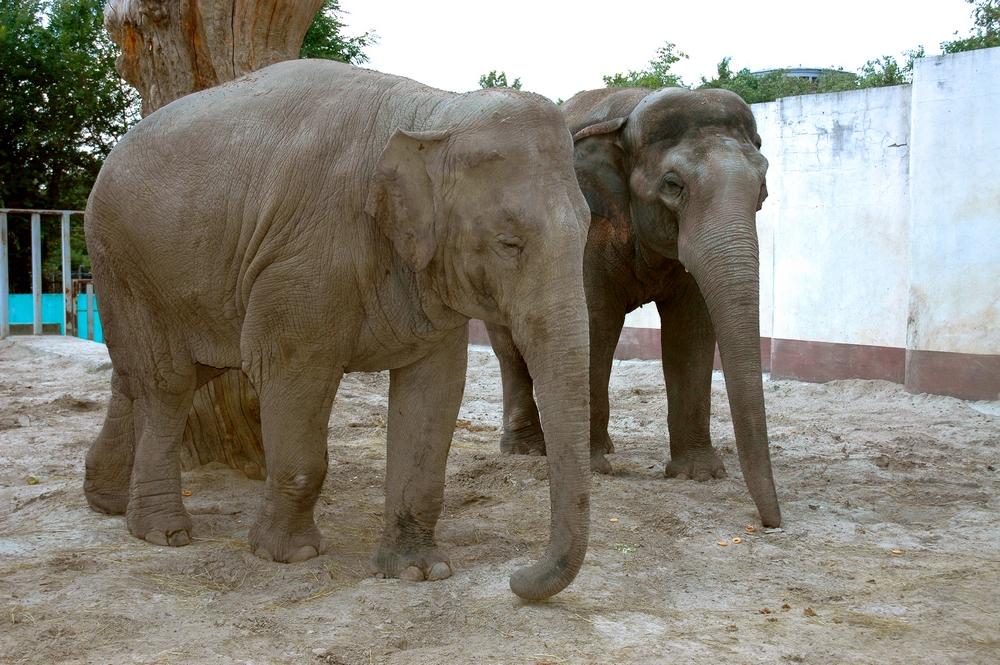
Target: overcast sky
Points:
(558, 47)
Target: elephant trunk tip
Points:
(545, 578)
(770, 516)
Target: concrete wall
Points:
(954, 299)
(880, 238)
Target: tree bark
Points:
(171, 48)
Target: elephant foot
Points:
(107, 500)
(600, 464)
(271, 543)
(159, 524)
(411, 565)
(526, 441)
(106, 479)
(701, 467)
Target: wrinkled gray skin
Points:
(312, 219)
(673, 180)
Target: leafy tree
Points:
(771, 85)
(64, 107)
(658, 75)
(494, 80)
(775, 84)
(986, 18)
(324, 39)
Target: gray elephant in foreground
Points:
(674, 179)
(312, 219)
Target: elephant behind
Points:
(314, 218)
(673, 179)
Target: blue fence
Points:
(22, 311)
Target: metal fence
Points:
(69, 324)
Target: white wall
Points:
(842, 224)
(954, 302)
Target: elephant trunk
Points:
(556, 348)
(723, 258)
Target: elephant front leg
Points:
(605, 329)
(424, 399)
(522, 427)
(295, 404)
(688, 347)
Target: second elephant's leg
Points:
(424, 399)
(688, 347)
(522, 428)
(605, 329)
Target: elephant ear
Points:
(599, 159)
(401, 195)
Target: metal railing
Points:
(69, 299)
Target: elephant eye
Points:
(672, 185)
(508, 246)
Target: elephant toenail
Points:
(440, 571)
(157, 538)
(264, 554)
(681, 476)
(304, 553)
(178, 538)
(412, 574)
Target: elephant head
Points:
(483, 206)
(685, 168)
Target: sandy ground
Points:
(863, 468)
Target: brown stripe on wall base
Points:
(824, 361)
(638, 344)
(477, 333)
(962, 375)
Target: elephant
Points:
(674, 179)
(314, 218)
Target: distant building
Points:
(806, 73)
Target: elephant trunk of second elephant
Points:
(556, 349)
(723, 258)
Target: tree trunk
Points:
(171, 48)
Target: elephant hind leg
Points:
(109, 460)
(156, 511)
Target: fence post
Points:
(69, 321)
(90, 312)
(4, 283)
(36, 270)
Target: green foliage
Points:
(494, 80)
(63, 109)
(772, 85)
(324, 39)
(986, 18)
(886, 71)
(64, 106)
(658, 75)
(768, 86)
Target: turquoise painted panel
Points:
(81, 318)
(22, 310)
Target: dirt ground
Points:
(863, 469)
